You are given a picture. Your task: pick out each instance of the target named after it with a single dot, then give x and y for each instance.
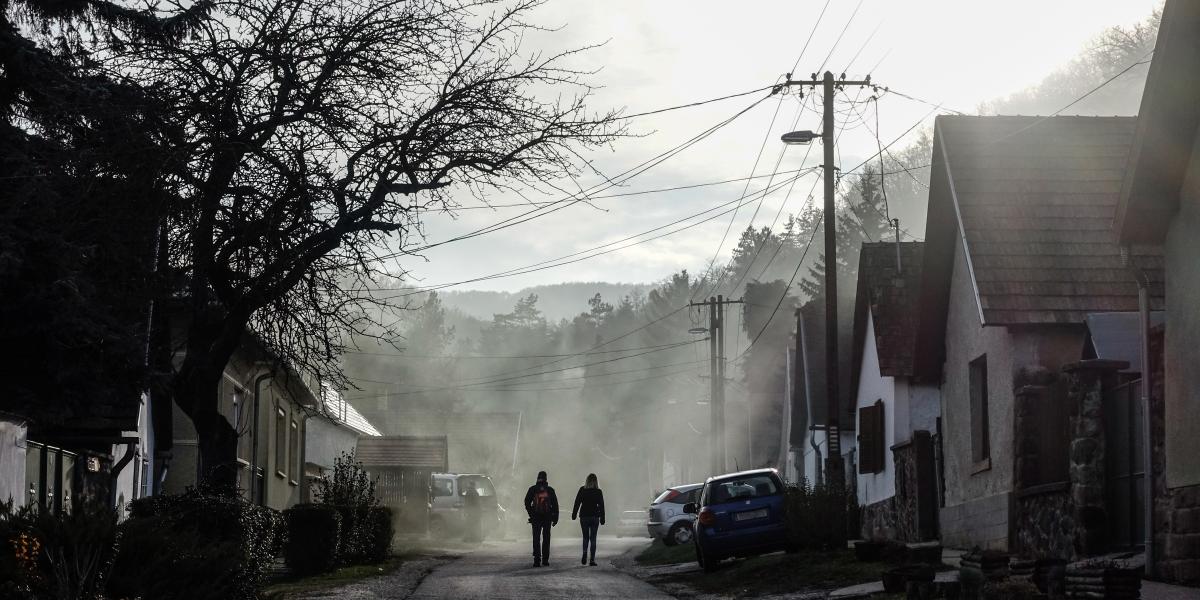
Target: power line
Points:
(700, 103)
(810, 37)
(406, 355)
(600, 250)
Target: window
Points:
(443, 487)
(872, 439)
(294, 452)
(755, 486)
(281, 431)
(980, 442)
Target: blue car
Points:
(739, 514)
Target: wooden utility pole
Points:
(834, 470)
(716, 369)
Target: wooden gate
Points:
(1124, 447)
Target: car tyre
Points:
(707, 562)
(680, 534)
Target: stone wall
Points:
(899, 518)
(879, 521)
(1043, 524)
(1176, 511)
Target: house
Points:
(809, 443)
(897, 411)
(1159, 203)
(1018, 252)
(272, 407)
(329, 434)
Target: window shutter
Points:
(871, 438)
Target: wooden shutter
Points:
(871, 438)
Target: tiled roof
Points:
(427, 452)
(338, 410)
(891, 293)
(1033, 199)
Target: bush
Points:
(378, 529)
(350, 542)
(816, 516)
(313, 534)
(195, 546)
(49, 555)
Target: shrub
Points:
(816, 516)
(195, 546)
(313, 534)
(366, 533)
(47, 555)
(379, 530)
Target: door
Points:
(1124, 449)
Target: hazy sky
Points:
(662, 53)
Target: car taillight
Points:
(672, 495)
(707, 517)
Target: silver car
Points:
(668, 522)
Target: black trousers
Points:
(541, 540)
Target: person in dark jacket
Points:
(589, 506)
(542, 505)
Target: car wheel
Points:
(707, 562)
(680, 533)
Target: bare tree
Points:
(317, 132)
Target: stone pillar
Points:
(1086, 380)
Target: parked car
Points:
(668, 522)
(739, 514)
(448, 515)
(632, 523)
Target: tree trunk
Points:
(197, 395)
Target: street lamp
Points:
(698, 330)
(799, 138)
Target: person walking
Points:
(542, 505)
(473, 504)
(589, 506)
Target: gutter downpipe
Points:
(1143, 283)
(259, 495)
(812, 441)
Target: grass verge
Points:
(658, 553)
(286, 588)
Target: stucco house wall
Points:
(873, 387)
(1182, 354)
(977, 495)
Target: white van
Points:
(448, 515)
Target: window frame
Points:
(281, 442)
(979, 399)
(293, 451)
(872, 440)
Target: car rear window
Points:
(754, 486)
(483, 485)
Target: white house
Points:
(896, 411)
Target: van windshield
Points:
(483, 485)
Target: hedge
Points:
(195, 546)
(379, 530)
(313, 534)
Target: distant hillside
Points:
(557, 301)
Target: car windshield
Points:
(754, 486)
(483, 485)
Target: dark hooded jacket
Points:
(531, 495)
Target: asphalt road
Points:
(504, 570)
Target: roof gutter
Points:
(962, 232)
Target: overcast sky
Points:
(662, 53)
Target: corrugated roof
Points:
(1034, 198)
(891, 292)
(428, 452)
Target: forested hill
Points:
(557, 301)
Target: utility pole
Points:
(834, 470)
(716, 369)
